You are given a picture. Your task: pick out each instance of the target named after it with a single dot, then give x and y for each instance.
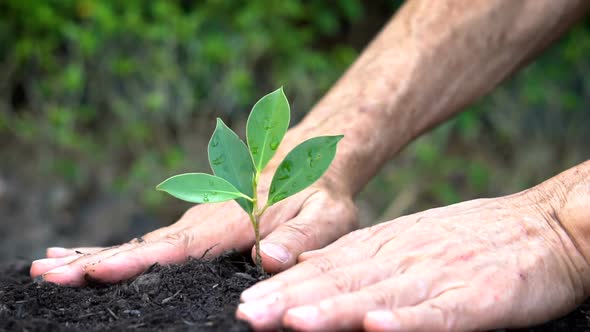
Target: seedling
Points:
(237, 167)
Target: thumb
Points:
(317, 225)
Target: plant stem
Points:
(254, 219)
(262, 211)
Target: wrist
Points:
(573, 210)
(564, 200)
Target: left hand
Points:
(309, 220)
(477, 265)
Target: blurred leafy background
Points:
(101, 99)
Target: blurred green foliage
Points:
(113, 91)
(113, 95)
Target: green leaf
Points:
(200, 188)
(267, 124)
(306, 163)
(230, 159)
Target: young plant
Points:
(237, 167)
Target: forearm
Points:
(430, 61)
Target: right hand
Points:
(309, 220)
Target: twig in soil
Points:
(188, 323)
(131, 327)
(86, 315)
(245, 276)
(112, 314)
(207, 251)
(168, 299)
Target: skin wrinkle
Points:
(558, 231)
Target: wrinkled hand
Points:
(476, 265)
(309, 220)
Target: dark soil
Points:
(195, 296)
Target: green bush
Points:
(113, 95)
(114, 90)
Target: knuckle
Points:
(178, 240)
(303, 233)
(156, 234)
(343, 283)
(322, 264)
(382, 299)
(447, 321)
(308, 255)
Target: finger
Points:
(266, 313)
(314, 227)
(41, 266)
(411, 319)
(444, 313)
(57, 252)
(347, 310)
(132, 262)
(317, 264)
(371, 238)
(297, 273)
(173, 248)
(73, 272)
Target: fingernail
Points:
(59, 251)
(306, 314)
(275, 251)
(383, 320)
(259, 290)
(44, 261)
(259, 309)
(58, 270)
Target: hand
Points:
(477, 265)
(309, 220)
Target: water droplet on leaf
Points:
(218, 160)
(312, 158)
(254, 149)
(205, 197)
(214, 141)
(274, 145)
(268, 124)
(284, 171)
